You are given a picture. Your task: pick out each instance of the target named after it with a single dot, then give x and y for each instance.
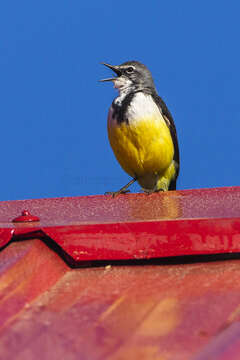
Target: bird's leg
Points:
(123, 190)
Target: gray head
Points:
(131, 76)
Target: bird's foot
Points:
(151, 191)
(116, 193)
(123, 190)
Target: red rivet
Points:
(26, 217)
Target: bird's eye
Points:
(129, 70)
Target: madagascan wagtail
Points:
(141, 130)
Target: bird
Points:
(141, 130)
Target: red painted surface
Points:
(159, 311)
(225, 346)
(134, 226)
(51, 312)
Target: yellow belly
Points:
(143, 148)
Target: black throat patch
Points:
(120, 108)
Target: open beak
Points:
(115, 68)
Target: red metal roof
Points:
(160, 310)
(133, 226)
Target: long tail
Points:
(172, 185)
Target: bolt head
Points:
(25, 217)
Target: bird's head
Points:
(131, 76)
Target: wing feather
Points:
(170, 123)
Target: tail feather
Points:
(172, 185)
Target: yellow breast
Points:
(144, 144)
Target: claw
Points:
(151, 191)
(116, 193)
(123, 190)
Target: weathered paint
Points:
(160, 311)
(152, 312)
(134, 226)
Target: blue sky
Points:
(53, 111)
